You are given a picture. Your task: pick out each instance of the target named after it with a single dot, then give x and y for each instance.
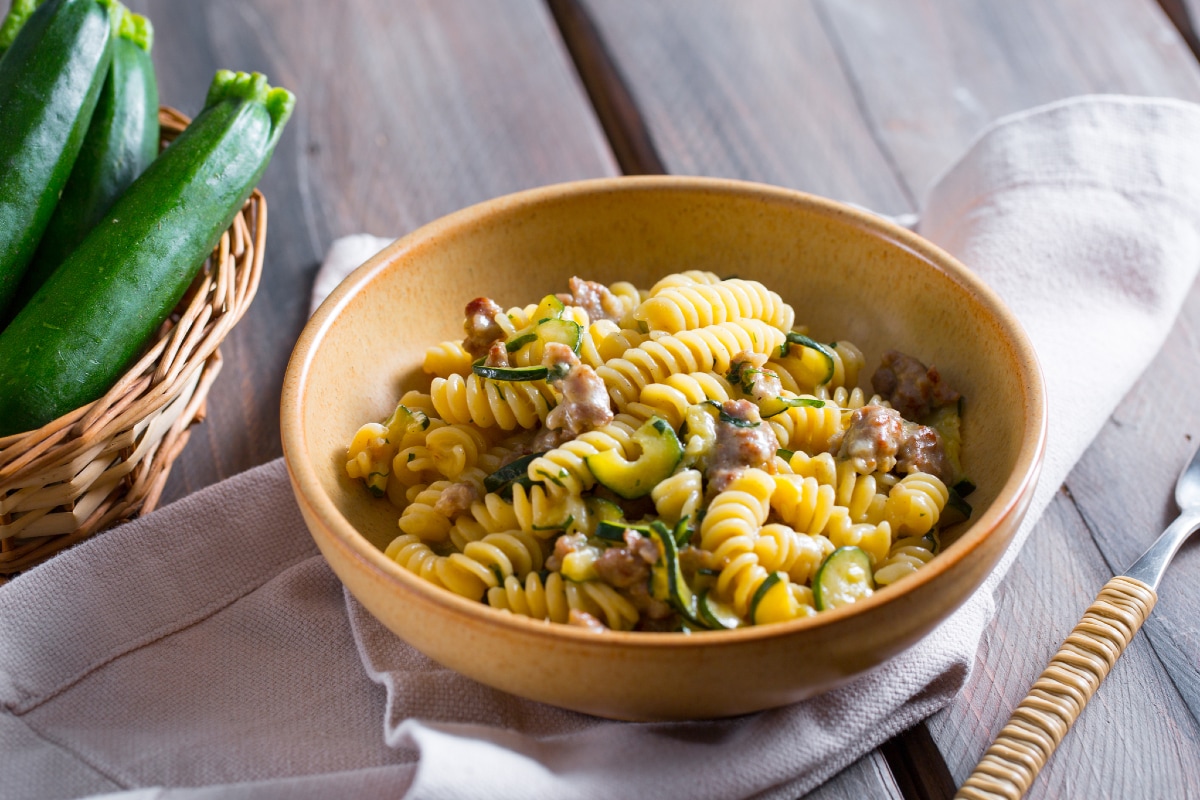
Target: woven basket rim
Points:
(182, 360)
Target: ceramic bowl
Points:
(848, 274)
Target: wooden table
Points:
(409, 110)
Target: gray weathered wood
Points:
(924, 78)
(405, 112)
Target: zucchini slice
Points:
(957, 509)
(947, 421)
(562, 331)
(666, 577)
(514, 374)
(520, 340)
(715, 614)
(512, 471)
(774, 601)
(614, 530)
(816, 357)
(661, 453)
(550, 308)
(773, 406)
(843, 578)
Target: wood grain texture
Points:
(923, 78)
(405, 112)
(1135, 739)
(748, 90)
(867, 777)
(1151, 436)
(936, 72)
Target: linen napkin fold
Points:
(203, 650)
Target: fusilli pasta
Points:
(705, 465)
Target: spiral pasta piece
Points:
(699, 305)
(807, 427)
(729, 530)
(821, 466)
(415, 556)
(453, 449)
(488, 403)
(605, 339)
(780, 548)
(494, 514)
(553, 599)
(546, 515)
(422, 520)
(688, 277)
(708, 349)
(860, 494)
(672, 398)
(803, 503)
(679, 496)
(915, 504)
(875, 539)
(563, 469)
(446, 359)
(499, 555)
(906, 556)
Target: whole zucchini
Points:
(18, 12)
(94, 315)
(50, 80)
(121, 141)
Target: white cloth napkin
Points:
(204, 650)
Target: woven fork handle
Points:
(1059, 695)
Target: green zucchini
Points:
(550, 308)
(773, 601)
(514, 374)
(816, 357)
(121, 141)
(773, 406)
(602, 510)
(563, 331)
(517, 342)
(667, 582)
(50, 80)
(513, 471)
(843, 578)
(613, 530)
(18, 12)
(94, 315)
(661, 452)
(715, 614)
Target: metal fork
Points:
(1039, 723)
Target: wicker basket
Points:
(108, 461)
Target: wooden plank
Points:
(991, 64)
(751, 91)
(924, 78)
(1134, 739)
(405, 112)
(964, 64)
(867, 777)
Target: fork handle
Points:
(1039, 723)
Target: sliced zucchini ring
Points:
(816, 357)
(535, 373)
(773, 406)
(843, 578)
(774, 601)
(716, 614)
(666, 577)
(661, 452)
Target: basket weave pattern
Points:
(108, 461)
